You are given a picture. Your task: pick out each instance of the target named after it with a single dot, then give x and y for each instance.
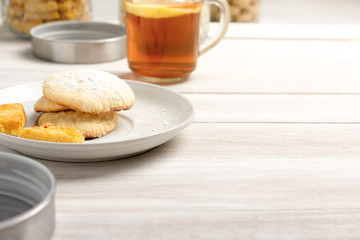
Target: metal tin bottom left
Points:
(27, 199)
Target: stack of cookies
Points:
(22, 15)
(87, 100)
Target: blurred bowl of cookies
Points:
(246, 11)
(20, 16)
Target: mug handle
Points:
(225, 15)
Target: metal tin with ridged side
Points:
(27, 199)
(79, 42)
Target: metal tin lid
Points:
(79, 42)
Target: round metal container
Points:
(27, 190)
(79, 42)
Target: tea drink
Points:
(162, 38)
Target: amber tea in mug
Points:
(162, 38)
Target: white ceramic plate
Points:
(157, 116)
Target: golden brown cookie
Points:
(65, 5)
(36, 16)
(51, 133)
(80, 3)
(12, 118)
(16, 2)
(90, 125)
(90, 91)
(22, 26)
(25, 1)
(44, 105)
(70, 14)
(15, 11)
(41, 7)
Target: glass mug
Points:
(162, 37)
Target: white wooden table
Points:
(273, 152)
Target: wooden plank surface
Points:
(273, 152)
(210, 225)
(251, 166)
(260, 108)
(235, 65)
(262, 181)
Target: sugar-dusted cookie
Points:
(12, 118)
(90, 91)
(44, 105)
(90, 125)
(51, 133)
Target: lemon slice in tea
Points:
(157, 11)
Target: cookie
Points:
(65, 5)
(16, 11)
(12, 118)
(81, 3)
(41, 7)
(16, 2)
(22, 26)
(44, 105)
(90, 125)
(38, 16)
(89, 91)
(51, 133)
(35, 0)
(70, 14)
